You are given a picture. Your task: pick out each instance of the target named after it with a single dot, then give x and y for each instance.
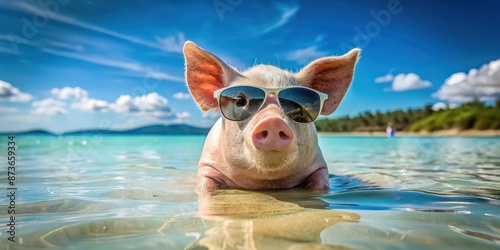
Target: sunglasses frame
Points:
(276, 91)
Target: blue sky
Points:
(75, 64)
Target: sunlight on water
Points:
(119, 192)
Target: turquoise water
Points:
(136, 192)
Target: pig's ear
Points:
(205, 73)
(331, 75)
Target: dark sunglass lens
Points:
(300, 104)
(240, 102)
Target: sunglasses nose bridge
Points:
(271, 98)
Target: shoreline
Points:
(438, 133)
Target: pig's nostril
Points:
(284, 136)
(262, 135)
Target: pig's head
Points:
(267, 145)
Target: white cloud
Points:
(12, 94)
(48, 106)
(79, 99)
(152, 104)
(305, 55)
(127, 65)
(404, 82)
(181, 95)
(172, 43)
(64, 45)
(439, 105)
(483, 84)
(383, 79)
(125, 103)
(69, 93)
(287, 12)
(48, 102)
(91, 105)
(96, 59)
(183, 115)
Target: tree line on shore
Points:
(470, 115)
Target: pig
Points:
(268, 150)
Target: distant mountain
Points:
(175, 129)
(169, 129)
(93, 131)
(30, 132)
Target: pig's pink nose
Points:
(272, 133)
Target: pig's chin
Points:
(275, 164)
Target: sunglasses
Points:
(301, 104)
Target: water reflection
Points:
(252, 220)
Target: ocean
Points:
(138, 192)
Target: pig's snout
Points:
(272, 133)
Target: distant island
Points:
(174, 129)
(473, 115)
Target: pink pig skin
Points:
(267, 150)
